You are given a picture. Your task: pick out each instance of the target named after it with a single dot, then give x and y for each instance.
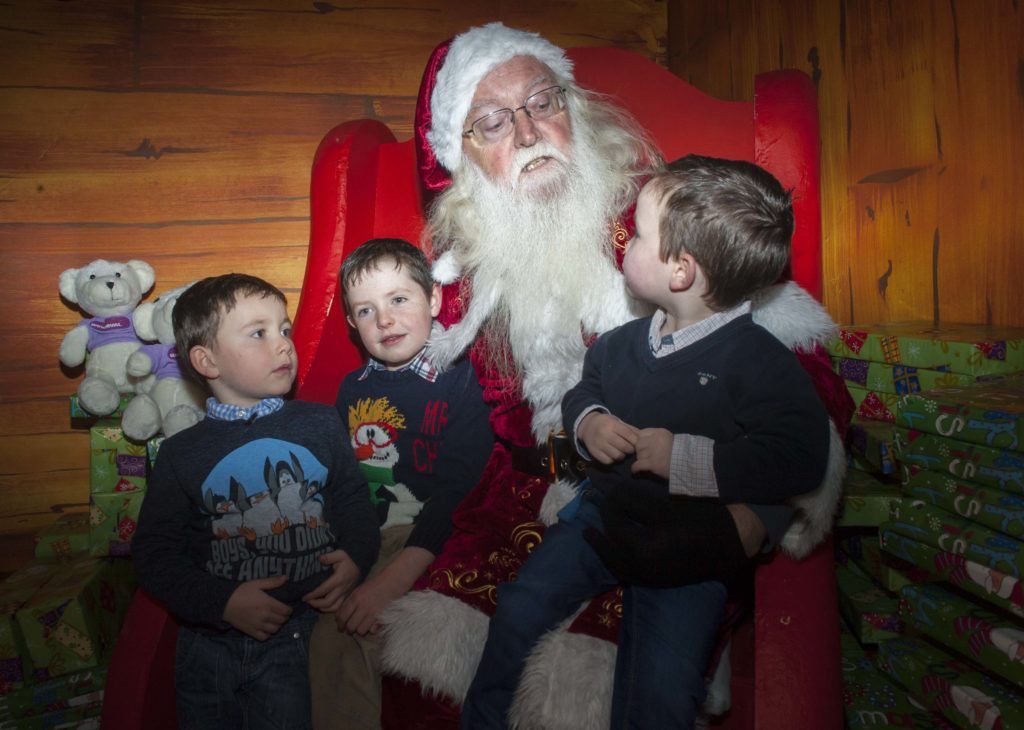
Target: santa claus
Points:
(537, 178)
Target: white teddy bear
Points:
(108, 291)
(168, 402)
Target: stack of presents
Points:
(930, 539)
(61, 614)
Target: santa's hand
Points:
(606, 438)
(653, 451)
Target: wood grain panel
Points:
(98, 157)
(921, 106)
(67, 44)
(296, 46)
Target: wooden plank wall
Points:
(182, 133)
(922, 122)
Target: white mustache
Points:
(526, 155)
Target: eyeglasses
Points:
(498, 124)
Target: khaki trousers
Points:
(344, 669)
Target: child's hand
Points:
(327, 596)
(606, 437)
(653, 451)
(359, 611)
(253, 612)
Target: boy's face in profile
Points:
(253, 357)
(392, 314)
(647, 276)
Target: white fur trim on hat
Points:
(472, 56)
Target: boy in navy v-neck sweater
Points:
(694, 404)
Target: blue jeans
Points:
(239, 682)
(665, 639)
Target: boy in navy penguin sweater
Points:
(255, 518)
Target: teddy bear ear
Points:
(67, 285)
(142, 318)
(147, 277)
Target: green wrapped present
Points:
(947, 531)
(78, 413)
(864, 553)
(883, 377)
(153, 448)
(874, 441)
(65, 539)
(990, 640)
(872, 405)
(71, 622)
(982, 465)
(113, 520)
(958, 348)
(116, 464)
(989, 413)
(870, 612)
(15, 591)
(990, 507)
(999, 589)
(866, 500)
(965, 696)
(80, 717)
(872, 699)
(61, 693)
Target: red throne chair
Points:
(786, 669)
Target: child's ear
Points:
(203, 361)
(682, 273)
(435, 300)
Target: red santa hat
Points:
(453, 72)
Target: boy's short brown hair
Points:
(198, 312)
(369, 255)
(733, 217)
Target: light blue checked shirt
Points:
(228, 412)
(419, 365)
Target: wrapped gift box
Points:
(873, 405)
(871, 613)
(987, 413)
(872, 699)
(866, 500)
(990, 507)
(15, 591)
(80, 717)
(947, 531)
(153, 448)
(966, 697)
(116, 464)
(958, 624)
(864, 552)
(61, 693)
(883, 377)
(982, 465)
(113, 519)
(874, 441)
(78, 413)
(71, 622)
(958, 348)
(999, 589)
(65, 539)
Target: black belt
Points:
(557, 459)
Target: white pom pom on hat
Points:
(471, 56)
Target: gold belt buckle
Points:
(552, 456)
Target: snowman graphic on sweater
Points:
(374, 426)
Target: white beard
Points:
(543, 272)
